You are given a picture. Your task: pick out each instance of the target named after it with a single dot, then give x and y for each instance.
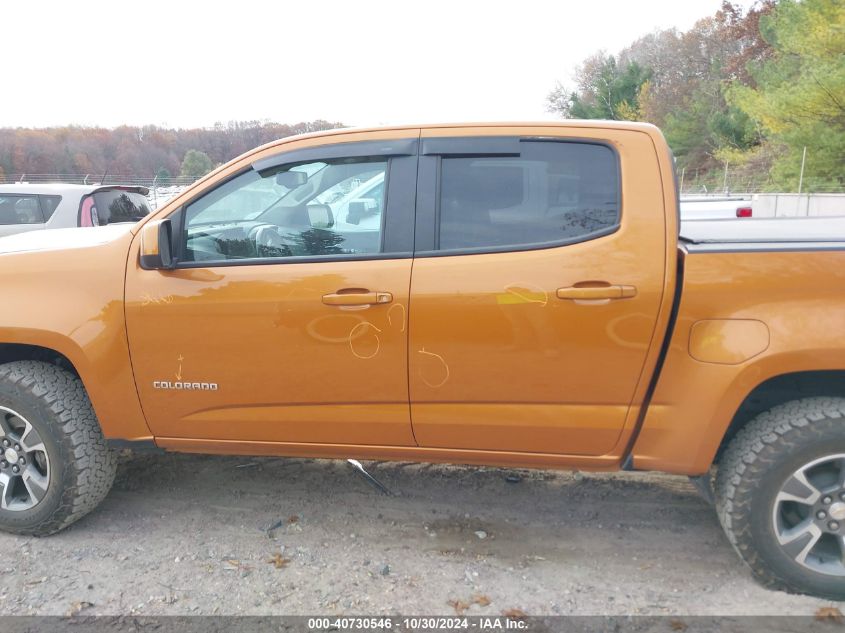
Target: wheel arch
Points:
(10, 352)
(109, 386)
(780, 389)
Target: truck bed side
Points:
(746, 315)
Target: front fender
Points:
(70, 300)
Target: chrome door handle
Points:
(357, 298)
(593, 293)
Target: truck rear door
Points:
(538, 275)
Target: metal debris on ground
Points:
(370, 479)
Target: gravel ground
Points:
(186, 534)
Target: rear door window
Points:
(20, 209)
(552, 192)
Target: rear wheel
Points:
(780, 495)
(55, 466)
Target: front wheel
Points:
(55, 466)
(780, 496)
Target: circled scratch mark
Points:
(390, 318)
(445, 367)
(352, 337)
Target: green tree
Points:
(163, 176)
(196, 164)
(799, 94)
(606, 90)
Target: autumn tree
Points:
(605, 90)
(798, 94)
(133, 151)
(678, 81)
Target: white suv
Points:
(29, 207)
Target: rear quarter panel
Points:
(799, 296)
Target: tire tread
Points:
(90, 467)
(754, 451)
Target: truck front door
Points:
(283, 322)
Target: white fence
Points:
(776, 205)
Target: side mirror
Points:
(157, 245)
(320, 216)
(291, 179)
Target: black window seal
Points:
(354, 149)
(383, 224)
(470, 146)
(297, 259)
(534, 246)
(520, 248)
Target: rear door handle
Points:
(364, 298)
(593, 293)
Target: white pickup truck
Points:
(715, 207)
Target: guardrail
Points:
(93, 179)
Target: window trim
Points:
(294, 259)
(354, 149)
(397, 232)
(428, 218)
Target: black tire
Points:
(757, 463)
(82, 467)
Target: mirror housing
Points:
(291, 179)
(157, 245)
(320, 216)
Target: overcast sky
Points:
(361, 62)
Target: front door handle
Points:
(363, 298)
(593, 293)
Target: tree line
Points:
(750, 89)
(137, 151)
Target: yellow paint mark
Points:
(179, 372)
(390, 317)
(352, 337)
(148, 299)
(445, 367)
(523, 293)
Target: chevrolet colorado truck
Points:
(520, 295)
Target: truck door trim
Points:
(356, 149)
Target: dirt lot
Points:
(189, 535)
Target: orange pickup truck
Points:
(519, 295)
